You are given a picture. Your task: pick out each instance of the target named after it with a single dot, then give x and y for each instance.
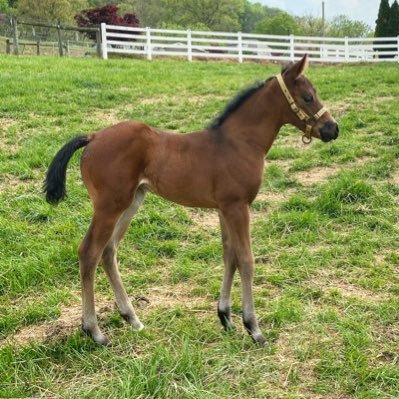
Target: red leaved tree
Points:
(107, 14)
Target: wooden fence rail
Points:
(63, 45)
(244, 46)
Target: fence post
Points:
(104, 46)
(15, 35)
(8, 46)
(239, 38)
(292, 53)
(60, 49)
(149, 49)
(189, 46)
(98, 43)
(38, 47)
(346, 49)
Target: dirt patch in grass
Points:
(11, 182)
(109, 117)
(206, 219)
(283, 163)
(293, 140)
(274, 196)
(292, 341)
(169, 297)
(395, 178)
(348, 290)
(339, 108)
(68, 322)
(71, 316)
(6, 123)
(315, 175)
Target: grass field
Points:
(325, 239)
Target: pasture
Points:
(324, 228)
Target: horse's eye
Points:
(308, 98)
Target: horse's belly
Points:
(185, 193)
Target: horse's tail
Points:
(54, 184)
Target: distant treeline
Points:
(214, 15)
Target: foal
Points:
(220, 167)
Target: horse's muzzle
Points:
(329, 131)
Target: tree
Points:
(281, 24)
(310, 26)
(217, 15)
(254, 13)
(393, 20)
(49, 10)
(154, 13)
(381, 28)
(107, 14)
(385, 27)
(4, 7)
(341, 26)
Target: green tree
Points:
(217, 15)
(50, 10)
(393, 20)
(281, 24)
(381, 28)
(310, 26)
(154, 13)
(211, 14)
(4, 7)
(254, 13)
(341, 26)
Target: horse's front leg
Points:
(230, 266)
(236, 218)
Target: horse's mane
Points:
(237, 101)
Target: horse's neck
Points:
(255, 123)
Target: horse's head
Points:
(305, 110)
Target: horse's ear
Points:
(297, 69)
(286, 67)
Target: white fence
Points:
(244, 46)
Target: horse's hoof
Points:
(133, 321)
(225, 319)
(98, 337)
(137, 325)
(259, 339)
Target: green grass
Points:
(325, 240)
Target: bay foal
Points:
(220, 167)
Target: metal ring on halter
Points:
(306, 139)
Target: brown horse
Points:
(220, 167)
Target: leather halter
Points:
(300, 113)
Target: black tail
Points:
(54, 184)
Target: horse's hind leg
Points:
(90, 250)
(110, 263)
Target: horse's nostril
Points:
(337, 128)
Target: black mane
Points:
(236, 103)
